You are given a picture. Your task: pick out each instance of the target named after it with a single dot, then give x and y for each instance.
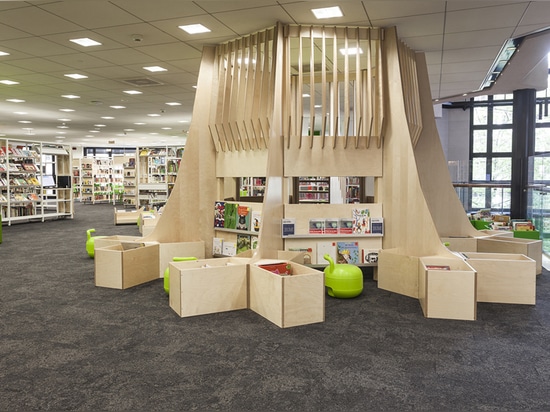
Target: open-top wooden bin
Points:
(206, 286)
(447, 288)
(168, 251)
(504, 277)
(126, 217)
(126, 264)
(293, 300)
(514, 246)
(104, 241)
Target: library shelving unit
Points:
(251, 188)
(312, 189)
(35, 181)
(102, 172)
(77, 179)
(86, 180)
(384, 129)
(129, 181)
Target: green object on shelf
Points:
(527, 234)
(481, 224)
(167, 272)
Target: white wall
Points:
(454, 131)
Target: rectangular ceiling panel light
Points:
(194, 28)
(86, 42)
(327, 12)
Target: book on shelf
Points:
(316, 226)
(230, 216)
(288, 226)
(243, 218)
(325, 248)
(377, 225)
(346, 226)
(282, 268)
(332, 226)
(254, 242)
(243, 243)
(347, 252)
(361, 221)
(522, 225)
(255, 220)
(219, 212)
(369, 255)
(217, 246)
(229, 249)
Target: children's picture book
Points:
(243, 218)
(347, 252)
(369, 255)
(345, 226)
(361, 224)
(229, 249)
(253, 242)
(255, 220)
(288, 226)
(377, 225)
(316, 226)
(283, 268)
(331, 226)
(217, 246)
(230, 216)
(243, 243)
(325, 248)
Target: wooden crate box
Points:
(167, 251)
(513, 246)
(287, 301)
(460, 244)
(447, 293)
(104, 241)
(127, 217)
(208, 286)
(126, 264)
(504, 278)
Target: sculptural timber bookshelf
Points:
(294, 101)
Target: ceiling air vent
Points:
(142, 82)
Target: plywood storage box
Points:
(168, 251)
(460, 244)
(504, 278)
(126, 264)
(512, 245)
(208, 286)
(298, 299)
(126, 217)
(447, 294)
(101, 242)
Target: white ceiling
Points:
(460, 38)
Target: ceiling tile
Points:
(36, 21)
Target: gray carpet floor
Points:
(68, 345)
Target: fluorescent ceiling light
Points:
(70, 96)
(153, 114)
(24, 121)
(8, 82)
(195, 28)
(3, 53)
(76, 76)
(107, 117)
(86, 42)
(64, 120)
(351, 51)
(100, 125)
(20, 113)
(166, 128)
(327, 12)
(15, 100)
(132, 92)
(66, 110)
(63, 127)
(173, 104)
(155, 69)
(117, 107)
(140, 124)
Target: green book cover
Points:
(230, 216)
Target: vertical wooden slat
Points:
(346, 87)
(357, 90)
(300, 90)
(370, 92)
(214, 140)
(335, 97)
(311, 87)
(324, 87)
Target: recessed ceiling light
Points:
(64, 120)
(100, 125)
(3, 53)
(8, 82)
(155, 69)
(62, 127)
(117, 107)
(183, 121)
(107, 117)
(195, 28)
(86, 42)
(327, 12)
(351, 51)
(166, 128)
(76, 76)
(132, 92)
(15, 100)
(173, 104)
(66, 110)
(70, 96)
(20, 112)
(93, 131)
(140, 124)
(154, 134)
(24, 121)
(60, 137)
(246, 60)
(61, 132)
(305, 95)
(129, 130)
(153, 114)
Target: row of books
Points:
(336, 226)
(340, 252)
(229, 215)
(15, 151)
(18, 167)
(229, 248)
(19, 197)
(20, 181)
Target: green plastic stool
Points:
(343, 280)
(167, 272)
(90, 242)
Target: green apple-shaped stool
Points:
(167, 272)
(90, 242)
(343, 280)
